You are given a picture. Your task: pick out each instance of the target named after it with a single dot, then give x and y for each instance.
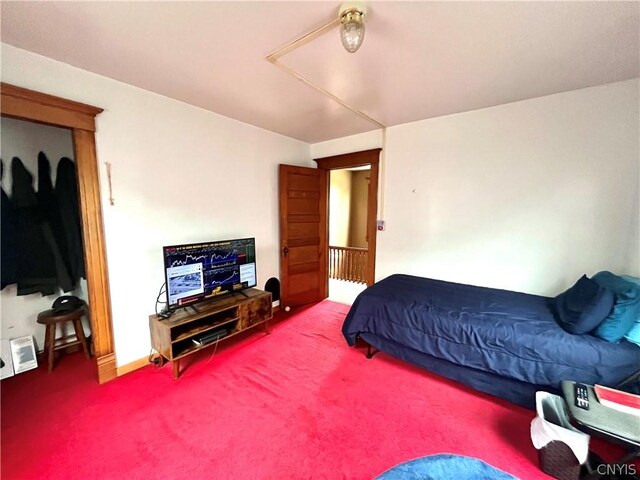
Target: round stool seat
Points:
(50, 316)
(51, 319)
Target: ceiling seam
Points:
(273, 58)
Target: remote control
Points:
(580, 391)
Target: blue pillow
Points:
(625, 310)
(633, 335)
(581, 308)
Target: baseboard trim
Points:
(106, 367)
(130, 367)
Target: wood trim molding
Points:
(323, 245)
(349, 160)
(372, 227)
(358, 159)
(17, 102)
(106, 367)
(39, 107)
(94, 245)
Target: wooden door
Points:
(303, 235)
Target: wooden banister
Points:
(348, 263)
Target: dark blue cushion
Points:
(625, 310)
(583, 307)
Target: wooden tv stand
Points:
(177, 336)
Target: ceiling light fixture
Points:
(351, 26)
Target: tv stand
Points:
(181, 335)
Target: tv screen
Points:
(199, 271)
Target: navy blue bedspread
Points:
(508, 333)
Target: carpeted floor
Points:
(297, 404)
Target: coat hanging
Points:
(52, 226)
(9, 232)
(36, 270)
(67, 195)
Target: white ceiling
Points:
(418, 60)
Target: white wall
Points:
(526, 196)
(180, 174)
(25, 140)
(339, 207)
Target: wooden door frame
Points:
(24, 104)
(359, 159)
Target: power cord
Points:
(155, 359)
(166, 312)
(215, 349)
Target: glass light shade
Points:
(352, 32)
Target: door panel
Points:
(315, 218)
(304, 194)
(304, 254)
(304, 267)
(303, 205)
(303, 234)
(303, 182)
(303, 242)
(303, 283)
(303, 230)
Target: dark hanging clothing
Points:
(52, 226)
(67, 194)
(36, 268)
(9, 248)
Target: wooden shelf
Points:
(202, 328)
(191, 349)
(172, 337)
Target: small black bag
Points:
(67, 303)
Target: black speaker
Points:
(273, 286)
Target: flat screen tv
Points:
(200, 271)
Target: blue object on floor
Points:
(444, 467)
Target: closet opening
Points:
(79, 119)
(42, 250)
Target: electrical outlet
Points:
(381, 225)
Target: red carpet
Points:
(297, 404)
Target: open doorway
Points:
(348, 236)
(42, 245)
(352, 181)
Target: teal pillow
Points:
(625, 309)
(634, 334)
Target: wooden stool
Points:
(51, 320)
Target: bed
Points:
(500, 342)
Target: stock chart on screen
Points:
(198, 271)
